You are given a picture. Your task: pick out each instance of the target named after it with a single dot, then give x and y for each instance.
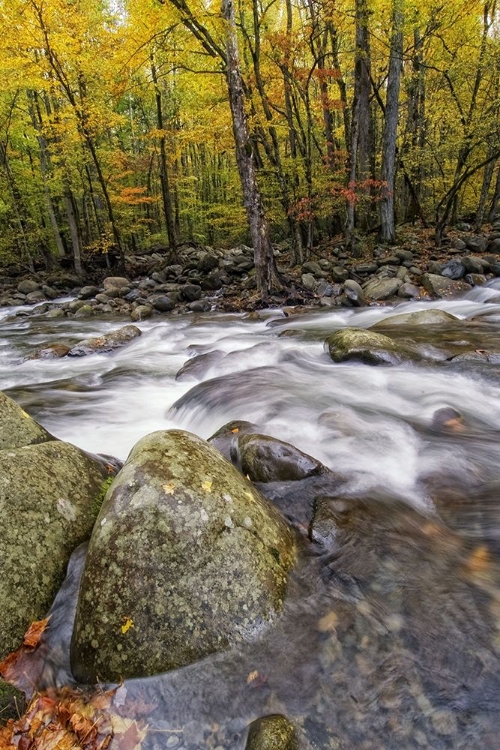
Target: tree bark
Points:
(164, 177)
(388, 172)
(263, 253)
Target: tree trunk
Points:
(485, 187)
(387, 219)
(359, 147)
(496, 199)
(263, 254)
(164, 178)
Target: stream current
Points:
(392, 642)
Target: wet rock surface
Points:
(369, 347)
(177, 519)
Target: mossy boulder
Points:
(17, 428)
(186, 559)
(49, 499)
(274, 732)
(12, 702)
(419, 318)
(359, 345)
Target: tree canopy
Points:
(117, 121)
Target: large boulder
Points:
(186, 559)
(17, 428)
(107, 342)
(357, 344)
(49, 499)
(115, 282)
(419, 318)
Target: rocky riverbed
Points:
(202, 279)
(302, 547)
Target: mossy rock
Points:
(186, 559)
(369, 347)
(17, 428)
(49, 499)
(12, 702)
(274, 732)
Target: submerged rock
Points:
(196, 367)
(186, 559)
(274, 732)
(357, 344)
(49, 499)
(106, 343)
(17, 428)
(50, 351)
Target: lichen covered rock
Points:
(186, 559)
(49, 498)
(17, 428)
(357, 344)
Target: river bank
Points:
(203, 279)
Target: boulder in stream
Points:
(186, 559)
(427, 317)
(440, 286)
(357, 344)
(107, 342)
(266, 459)
(50, 493)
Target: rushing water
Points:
(389, 668)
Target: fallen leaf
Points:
(207, 486)
(169, 488)
(34, 633)
(256, 679)
(129, 623)
(235, 430)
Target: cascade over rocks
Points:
(357, 344)
(186, 559)
(50, 492)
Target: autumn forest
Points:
(151, 123)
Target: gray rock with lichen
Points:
(357, 344)
(17, 428)
(186, 559)
(49, 499)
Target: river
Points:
(374, 425)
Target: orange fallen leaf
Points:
(235, 430)
(34, 633)
(328, 622)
